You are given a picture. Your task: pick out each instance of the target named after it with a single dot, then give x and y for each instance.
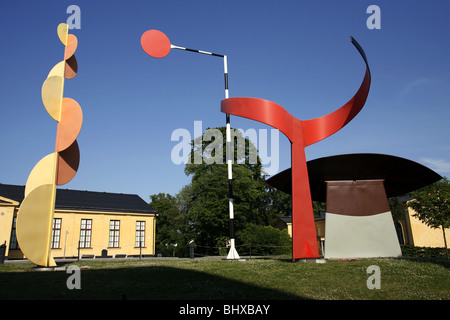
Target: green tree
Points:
(171, 235)
(432, 205)
(317, 207)
(274, 204)
(265, 240)
(398, 209)
(207, 202)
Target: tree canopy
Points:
(172, 235)
(208, 201)
(200, 211)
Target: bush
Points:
(265, 240)
(423, 252)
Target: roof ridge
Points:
(85, 199)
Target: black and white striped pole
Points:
(157, 45)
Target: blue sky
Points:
(295, 53)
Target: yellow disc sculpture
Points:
(35, 216)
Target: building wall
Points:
(71, 226)
(6, 221)
(420, 235)
(289, 228)
(320, 228)
(70, 233)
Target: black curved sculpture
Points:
(400, 175)
(356, 188)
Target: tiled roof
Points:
(12, 192)
(286, 219)
(86, 200)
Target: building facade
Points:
(414, 232)
(86, 224)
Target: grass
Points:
(216, 279)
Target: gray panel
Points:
(360, 236)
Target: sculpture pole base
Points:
(312, 260)
(232, 254)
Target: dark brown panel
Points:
(356, 198)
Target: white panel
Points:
(360, 237)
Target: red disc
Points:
(155, 43)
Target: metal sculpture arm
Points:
(312, 130)
(318, 129)
(261, 110)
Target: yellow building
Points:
(86, 224)
(414, 232)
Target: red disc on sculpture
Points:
(155, 43)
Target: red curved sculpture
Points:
(301, 133)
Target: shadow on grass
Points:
(134, 283)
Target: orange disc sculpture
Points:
(35, 216)
(301, 133)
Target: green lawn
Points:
(254, 279)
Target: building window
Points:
(85, 233)
(114, 227)
(13, 245)
(56, 234)
(140, 234)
